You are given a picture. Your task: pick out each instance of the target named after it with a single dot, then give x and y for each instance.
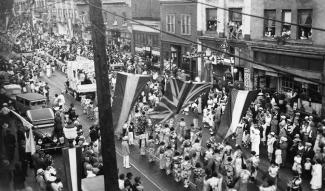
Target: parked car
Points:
(43, 127)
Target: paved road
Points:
(153, 179)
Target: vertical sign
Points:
(247, 78)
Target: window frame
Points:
(186, 23)
(208, 19)
(299, 13)
(283, 20)
(171, 26)
(267, 13)
(231, 14)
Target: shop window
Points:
(170, 24)
(305, 24)
(235, 23)
(269, 24)
(211, 19)
(186, 24)
(286, 27)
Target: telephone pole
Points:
(103, 96)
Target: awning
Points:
(274, 74)
(304, 81)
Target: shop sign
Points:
(247, 79)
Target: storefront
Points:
(307, 66)
(147, 45)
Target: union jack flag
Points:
(178, 95)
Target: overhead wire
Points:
(280, 70)
(259, 17)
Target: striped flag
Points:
(178, 95)
(73, 167)
(127, 90)
(237, 105)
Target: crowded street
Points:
(133, 96)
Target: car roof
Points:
(32, 96)
(40, 114)
(12, 86)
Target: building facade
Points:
(179, 18)
(118, 29)
(146, 40)
(63, 16)
(284, 47)
(298, 49)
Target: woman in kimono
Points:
(168, 156)
(151, 149)
(160, 152)
(186, 171)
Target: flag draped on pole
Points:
(178, 95)
(127, 90)
(237, 105)
(30, 142)
(73, 167)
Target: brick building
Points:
(179, 17)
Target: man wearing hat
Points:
(308, 152)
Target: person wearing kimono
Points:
(255, 140)
(186, 171)
(168, 156)
(160, 152)
(151, 149)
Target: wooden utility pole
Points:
(103, 96)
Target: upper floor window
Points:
(186, 24)
(235, 23)
(235, 16)
(269, 24)
(211, 19)
(286, 27)
(305, 24)
(170, 24)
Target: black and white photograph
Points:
(162, 95)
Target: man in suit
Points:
(308, 152)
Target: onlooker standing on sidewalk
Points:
(125, 152)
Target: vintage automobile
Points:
(43, 127)
(29, 101)
(11, 90)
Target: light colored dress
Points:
(316, 180)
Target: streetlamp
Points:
(70, 133)
(71, 159)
